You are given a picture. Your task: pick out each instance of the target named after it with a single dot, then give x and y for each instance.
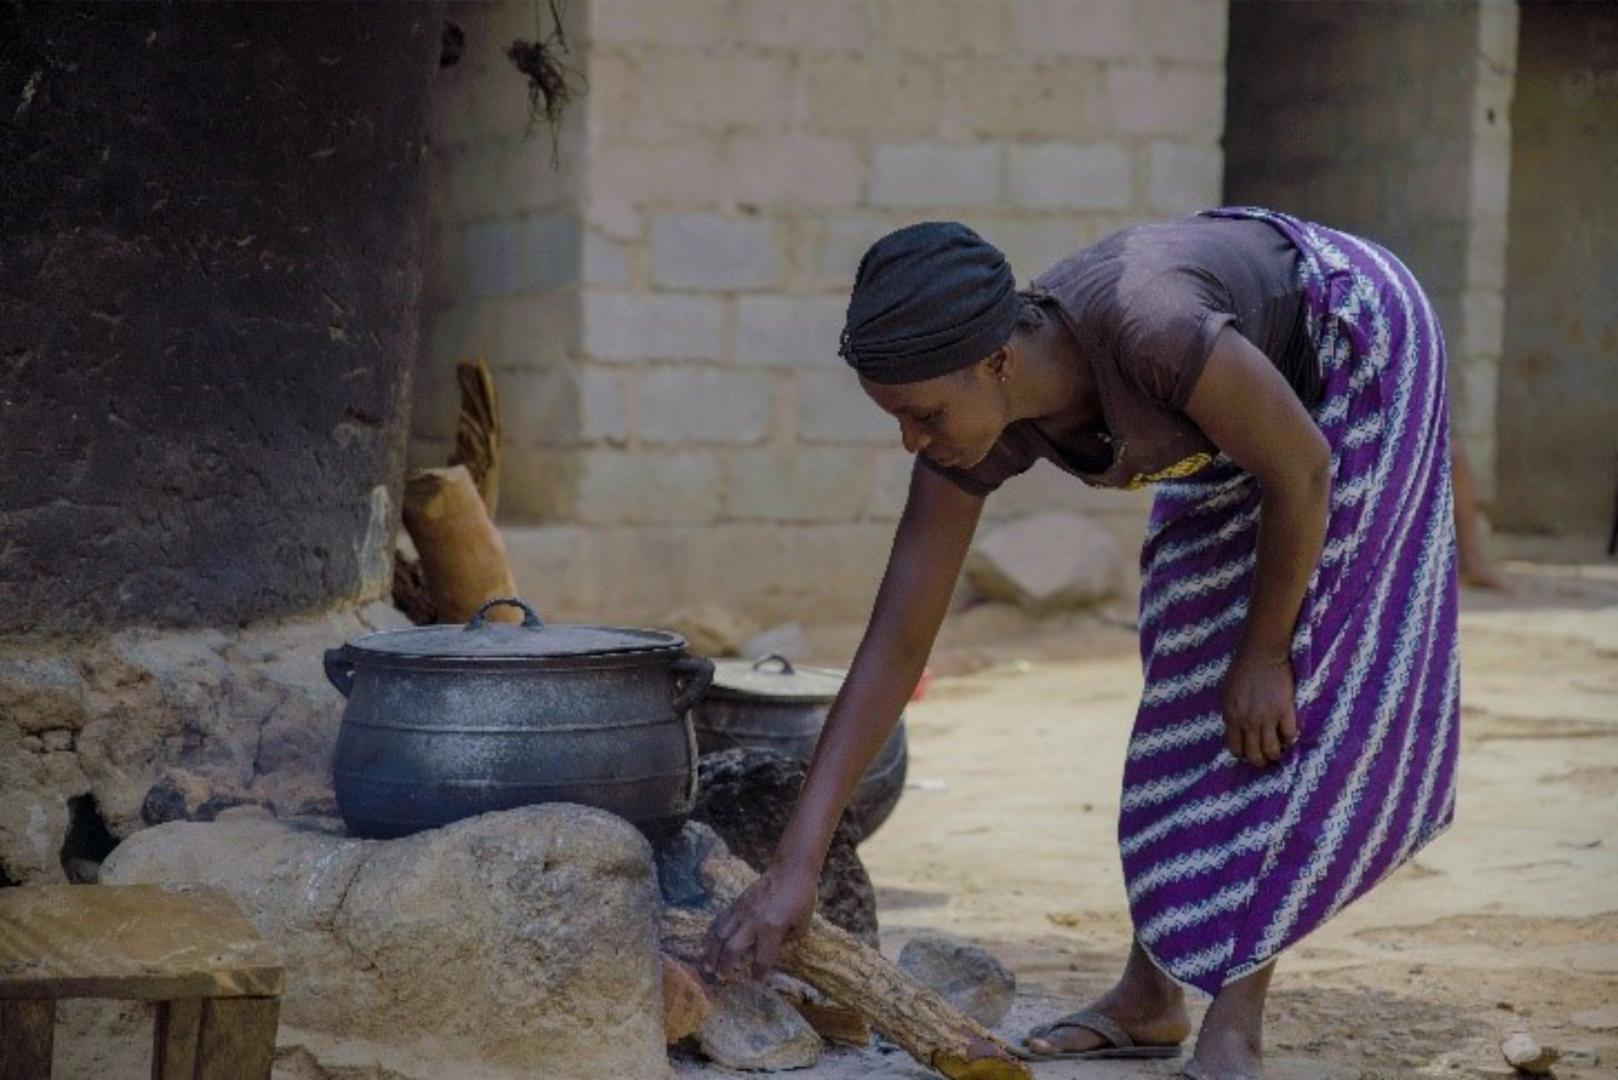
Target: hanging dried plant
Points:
(552, 83)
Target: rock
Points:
(1047, 562)
(751, 1027)
(1524, 1053)
(1583, 1057)
(182, 795)
(685, 1000)
(491, 944)
(711, 629)
(968, 976)
(156, 725)
(746, 796)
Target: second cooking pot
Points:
(771, 704)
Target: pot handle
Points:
(530, 618)
(339, 670)
(786, 665)
(697, 671)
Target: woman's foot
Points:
(1230, 1044)
(1147, 1004)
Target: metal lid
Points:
(534, 639)
(775, 677)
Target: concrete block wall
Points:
(505, 250)
(736, 158)
(1390, 120)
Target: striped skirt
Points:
(1227, 864)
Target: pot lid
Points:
(777, 678)
(480, 639)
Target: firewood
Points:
(462, 556)
(835, 1023)
(927, 1027)
(479, 433)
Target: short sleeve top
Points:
(1145, 306)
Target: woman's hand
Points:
(751, 932)
(1260, 719)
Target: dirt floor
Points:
(1508, 922)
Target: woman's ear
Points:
(1001, 361)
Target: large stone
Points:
(1526, 1054)
(968, 976)
(514, 944)
(1047, 562)
(103, 737)
(746, 796)
(751, 1027)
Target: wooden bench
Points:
(216, 982)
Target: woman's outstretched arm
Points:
(929, 547)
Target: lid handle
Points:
(775, 657)
(530, 618)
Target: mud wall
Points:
(209, 252)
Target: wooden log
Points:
(927, 1027)
(27, 1033)
(479, 433)
(462, 555)
(835, 1023)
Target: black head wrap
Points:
(928, 300)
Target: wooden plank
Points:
(174, 1039)
(135, 942)
(238, 1038)
(27, 1030)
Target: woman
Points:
(1295, 741)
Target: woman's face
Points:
(954, 419)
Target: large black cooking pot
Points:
(445, 722)
(770, 704)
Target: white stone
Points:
(1185, 29)
(795, 170)
(1093, 176)
(803, 484)
(833, 408)
(617, 488)
(605, 260)
(968, 976)
(601, 407)
(749, 1026)
(790, 329)
(1524, 1053)
(641, 326)
(479, 948)
(935, 174)
(1175, 99)
(706, 251)
(1181, 179)
(1098, 29)
(1046, 562)
(683, 405)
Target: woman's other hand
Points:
(749, 935)
(1260, 719)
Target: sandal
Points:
(1120, 1045)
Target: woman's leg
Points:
(1230, 1044)
(1145, 1002)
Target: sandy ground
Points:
(1508, 922)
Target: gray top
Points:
(1145, 306)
